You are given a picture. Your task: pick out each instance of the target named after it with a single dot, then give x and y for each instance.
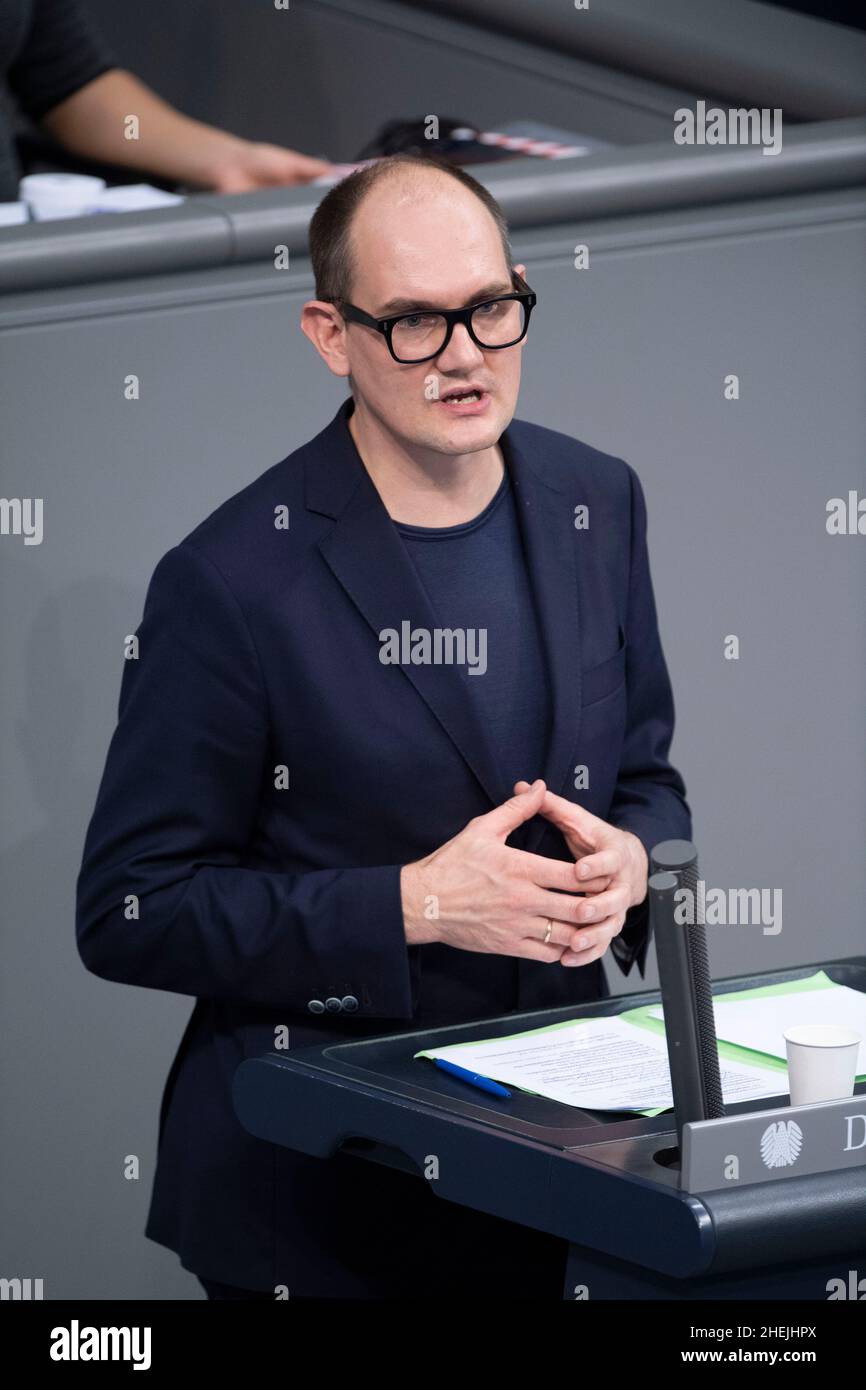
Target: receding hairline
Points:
(417, 174)
(414, 171)
(333, 225)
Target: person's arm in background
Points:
(92, 123)
(67, 80)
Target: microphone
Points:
(684, 975)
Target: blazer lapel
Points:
(545, 509)
(365, 553)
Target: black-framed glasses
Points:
(417, 337)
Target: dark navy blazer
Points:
(259, 650)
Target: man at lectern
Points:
(392, 754)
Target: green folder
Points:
(641, 1018)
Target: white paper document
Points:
(760, 1024)
(136, 197)
(13, 213)
(599, 1064)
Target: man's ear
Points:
(323, 325)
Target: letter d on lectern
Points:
(850, 1121)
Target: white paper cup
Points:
(51, 196)
(822, 1062)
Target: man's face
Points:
(421, 240)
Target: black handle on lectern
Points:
(684, 976)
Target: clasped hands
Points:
(478, 894)
(611, 867)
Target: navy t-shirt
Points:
(476, 577)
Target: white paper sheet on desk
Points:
(136, 197)
(598, 1064)
(759, 1024)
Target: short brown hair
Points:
(331, 224)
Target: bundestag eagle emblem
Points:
(781, 1143)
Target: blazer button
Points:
(333, 1005)
(350, 1003)
(316, 1006)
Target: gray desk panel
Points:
(211, 230)
(760, 54)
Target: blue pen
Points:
(472, 1078)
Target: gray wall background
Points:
(629, 356)
(326, 74)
